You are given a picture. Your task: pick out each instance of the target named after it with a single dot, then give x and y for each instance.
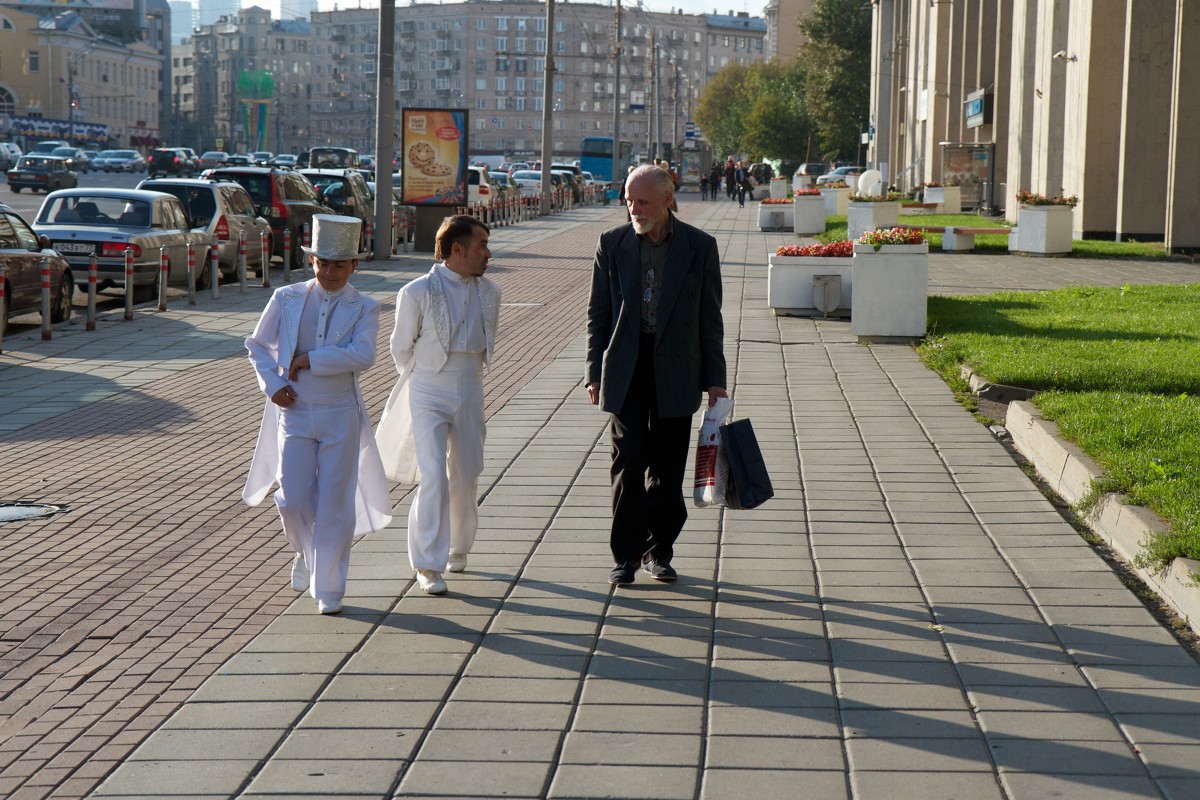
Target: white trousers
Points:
(318, 477)
(448, 432)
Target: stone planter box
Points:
(808, 214)
(1045, 230)
(863, 217)
(790, 284)
(836, 201)
(775, 217)
(779, 188)
(891, 289)
(948, 198)
(802, 182)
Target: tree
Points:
(756, 110)
(837, 65)
(722, 108)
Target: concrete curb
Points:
(1070, 473)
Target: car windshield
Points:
(92, 210)
(125, 154)
(198, 200)
(63, 151)
(35, 162)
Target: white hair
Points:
(661, 177)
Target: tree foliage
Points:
(807, 109)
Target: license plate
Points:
(76, 248)
(24, 176)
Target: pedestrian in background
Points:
(433, 428)
(312, 342)
(654, 345)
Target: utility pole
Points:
(616, 137)
(652, 90)
(385, 129)
(547, 106)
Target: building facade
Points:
(1076, 97)
(60, 77)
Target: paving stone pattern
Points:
(908, 618)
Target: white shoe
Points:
(329, 606)
(299, 574)
(431, 582)
(458, 562)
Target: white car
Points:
(479, 186)
(530, 180)
(588, 179)
(847, 174)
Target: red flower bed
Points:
(842, 249)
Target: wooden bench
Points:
(958, 238)
(961, 238)
(929, 206)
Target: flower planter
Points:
(808, 214)
(891, 288)
(802, 182)
(779, 188)
(836, 200)
(948, 198)
(863, 217)
(790, 284)
(775, 217)
(1045, 230)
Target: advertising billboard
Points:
(434, 144)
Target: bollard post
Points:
(47, 331)
(306, 240)
(241, 264)
(191, 273)
(93, 268)
(214, 267)
(370, 249)
(128, 283)
(265, 263)
(164, 266)
(287, 255)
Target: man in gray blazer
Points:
(654, 345)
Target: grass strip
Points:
(1118, 369)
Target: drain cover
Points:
(17, 512)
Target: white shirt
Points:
(466, 314)
(314, 320)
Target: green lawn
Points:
(835, 229)
(1117, 369)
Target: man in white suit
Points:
(432, 430)
(308, 349)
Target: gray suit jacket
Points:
(689, 336)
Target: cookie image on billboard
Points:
(436, 169)
(421, 153)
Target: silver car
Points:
(81, 223)
(222, 209)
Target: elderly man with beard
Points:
(654, 346)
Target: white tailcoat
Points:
(349, 347)
(421, 340)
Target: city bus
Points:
(597, 158)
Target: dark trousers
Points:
(649, 456)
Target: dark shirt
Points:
(654, 260)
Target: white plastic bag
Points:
(712, 473)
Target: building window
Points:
(481, 84)
(481, 103)
(501, 23)
(501, 84)
(501, 44)
(481, 24)
(34, 61)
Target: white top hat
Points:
(335, 238)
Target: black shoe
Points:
(659, 570)
(622, 574)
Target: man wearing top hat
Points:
(432, 429)
(308, 349)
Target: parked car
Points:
(192, 158)
(213, 158)
(479, 186)
(262, 157)
(284, 160)
(41, 173)
(77, 159)
(9, 153)
(122, 161)
(333, 158)
(105, 222)
(284, 197)
(222, 209)
(571, 180)
(240, 160)
(531, 181)
(21, 253)
(505, 186)
(343, 190)
(169, 161)
(840, 174)
(812, 169)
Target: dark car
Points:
(343, 190)
(284, 197)
(332, 158)
(169, 161)
(77, 158)
(42, 173)
(21, 253)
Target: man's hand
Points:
(593, 390)
(713, 393)
(298, 363)
(285, 397)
